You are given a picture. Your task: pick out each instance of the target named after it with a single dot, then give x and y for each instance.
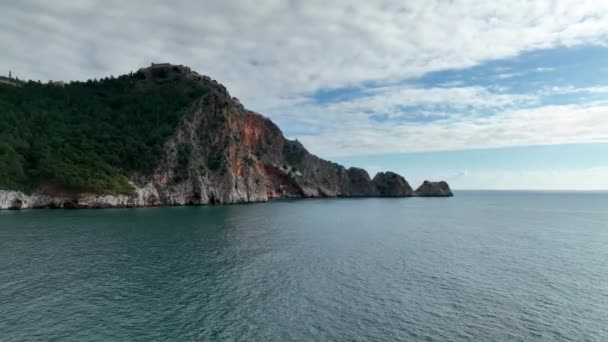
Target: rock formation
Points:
(390, 184)
(223, 153)
(434, 189)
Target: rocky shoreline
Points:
(149, 196)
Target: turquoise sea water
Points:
(482, 266)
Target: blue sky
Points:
(562, 76)
(483, 94)
(544, 167)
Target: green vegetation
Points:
(214, 162)
(88, 136)
(184, 151)
(293, 152)
(249, 161)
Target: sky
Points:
(483, 94)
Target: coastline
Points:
(17, 200)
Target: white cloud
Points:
(561, 90)
(274, 54)
(391, 99)
(591, 178)
(544, 69)
(451, 84)
(512, 127)
(509, 75)
(265, 51)
(412, 119)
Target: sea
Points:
(481, 266)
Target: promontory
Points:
(164, 135)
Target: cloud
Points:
(509, 75)
(371, 122)
(591, 178)
(392, 99)
(298, 47)
(544, 69)
(275, 55)
(556, 124)
(451, 84)
(561, 90)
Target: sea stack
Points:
(434, 189)
(390, 184)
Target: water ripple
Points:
(478, 267)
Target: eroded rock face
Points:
(390, 184)
(240, 156)
(141, 197)
(434, 189)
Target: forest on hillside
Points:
(88, 136)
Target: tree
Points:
(89, 136)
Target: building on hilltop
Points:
(180, 68)
(10, 80)
(56, 83)
(159, 65)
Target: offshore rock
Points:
(390, 184)
(434, 189)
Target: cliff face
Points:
(223, 153)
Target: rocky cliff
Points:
(222, 153)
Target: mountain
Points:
(164, 135)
